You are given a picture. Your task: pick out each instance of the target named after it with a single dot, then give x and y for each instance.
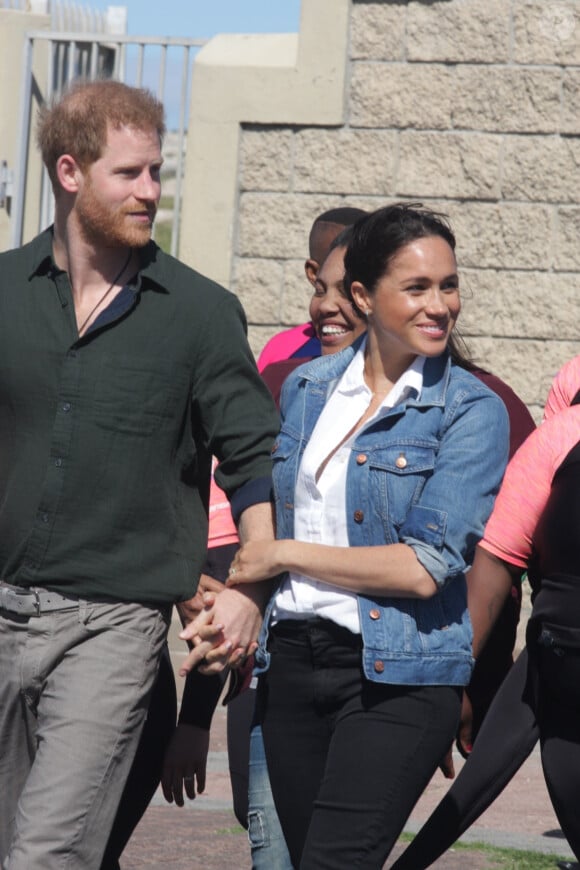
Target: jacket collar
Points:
(436, 373)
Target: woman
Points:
(386, 467)
(534, 525)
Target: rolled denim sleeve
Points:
(445, 524)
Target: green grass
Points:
(507, 859)
(235, 829)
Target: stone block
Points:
(401, 95)
(541, 168)
(507, 236)
(258, 286)
(527, 366)
(571, 101)
(567, 248)
(277, 226)
(507, 99)
(344, 161)
(477, 31)
(458, 165)
(377, 32)
(517, 305)
(546, 32)
(296, 294)
(266, 159)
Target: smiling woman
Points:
(336, 321)
(385, 470)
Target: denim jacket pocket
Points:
(398, 474)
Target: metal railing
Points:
(137, 60)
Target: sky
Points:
(205, 18)
(197, 19)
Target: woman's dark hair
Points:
(377, 238)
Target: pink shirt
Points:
(222, 529)
(285, 344)
(526, 487)
(564, 387)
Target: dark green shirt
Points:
(106, 440)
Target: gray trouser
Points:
(74, 689)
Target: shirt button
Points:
(358, 516)
(375, 614)
(361, 459)
(58, 462)
(379, 667)
(401, 461)
(44, 518)
(66, 406)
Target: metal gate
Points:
(164, 65)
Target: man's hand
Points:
(185, 763)
(226, 632)
(188, 610)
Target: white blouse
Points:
(320, 506)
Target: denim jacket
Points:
(424, 474)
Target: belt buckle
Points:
(37, 600)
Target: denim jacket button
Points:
(401, 461)
(359, 516)
(274, 447)
(375, 614)
(379, 667)
(361, 459)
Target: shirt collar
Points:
(40, 254)
(352, 381)
(42, 262)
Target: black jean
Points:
(348, 758)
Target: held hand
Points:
(185, 763)
(188, 610)
(256, 561)
(225, 633)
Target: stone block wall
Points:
(471, 106)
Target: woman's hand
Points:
(185, 763)
(255, 561)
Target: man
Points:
(122, 372)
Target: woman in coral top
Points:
(534, 526)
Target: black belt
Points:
(33, 601)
